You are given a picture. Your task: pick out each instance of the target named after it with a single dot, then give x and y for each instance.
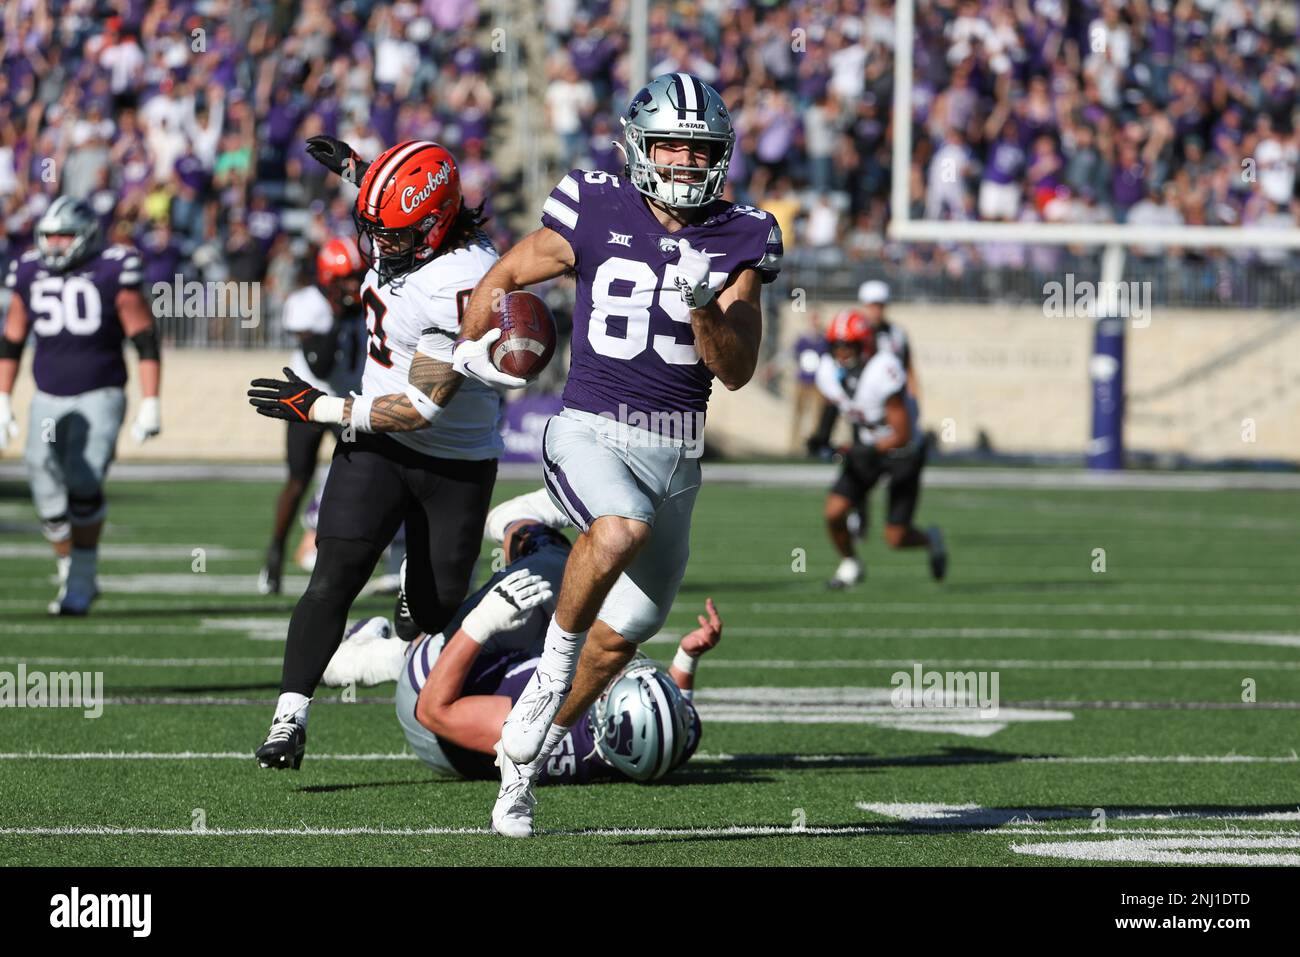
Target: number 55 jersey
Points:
(633, 349)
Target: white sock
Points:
(63, 562)
(560, 656)
(553, 737)
(292, 704)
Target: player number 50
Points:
(72, 304)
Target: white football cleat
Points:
(367, 656)
(847, 574)
(535, 506)
(525, 729)
(512, 815)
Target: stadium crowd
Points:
(183, 122)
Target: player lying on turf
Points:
(868, 385)
(453, 695)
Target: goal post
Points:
(1106, 449)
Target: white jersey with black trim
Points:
(422, 310)
(881, 379)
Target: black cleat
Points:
(404, 625)
(284, 746)
(938, 553)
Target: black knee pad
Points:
(84, 509)
(57, 529)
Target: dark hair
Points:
(464, 227)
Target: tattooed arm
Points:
(432, 385)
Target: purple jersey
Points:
(632, 341)
(73, 315)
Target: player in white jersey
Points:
(868, 386)
(890, 337)
(419, 445)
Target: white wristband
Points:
(361, 412)
(474, 627)
(327, 409)
(422, 403)
(684, 662)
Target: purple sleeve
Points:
(122, 268)
(561, 210)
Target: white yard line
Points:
(757, 664)
(1266, 639)
(705, 758)
(1017, 608)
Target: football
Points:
(527, 336)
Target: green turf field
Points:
(1120, 690)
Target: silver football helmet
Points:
(66, 217)
(643, 723)
(678, 106)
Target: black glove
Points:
(337, 157)
(290, 398)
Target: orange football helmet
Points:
(339, 271)
(409, 198)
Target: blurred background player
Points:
(327, 319)
(807, 400)
(79, 299)
(868, 386)
(873, 296)
(453, 694)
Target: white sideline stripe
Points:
(807, 476)
(1025, 663)
(965, 815)
(144, 662)
(111, 551)
(1015, 608)
(186, 756)
(698, 758)
(1257, 839)
(778, 664)
(1198, 850)
(1271, 639)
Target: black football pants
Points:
(375, 484)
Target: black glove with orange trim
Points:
(337, 157)
(289, 398)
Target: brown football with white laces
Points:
(528, 335)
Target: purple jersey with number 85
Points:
(633, 349)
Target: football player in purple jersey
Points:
(669, 276)
(79, 300)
